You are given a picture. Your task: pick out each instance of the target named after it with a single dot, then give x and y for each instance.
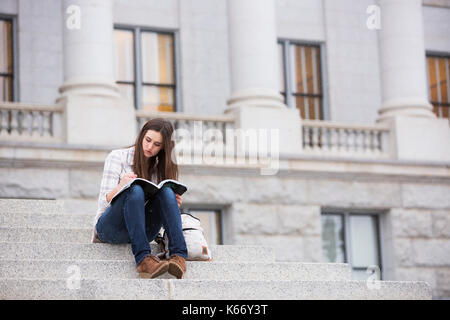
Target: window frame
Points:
(438, 54)
(186, 208)
(346, 214)
(137, 56)
(15, 71)
(287, 74)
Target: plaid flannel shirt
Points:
(118, 163)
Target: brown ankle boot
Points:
(177, 266)
(151, 267)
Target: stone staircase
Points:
(46, 254)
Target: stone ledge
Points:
(104, 251)
(15, 155)
(212, 289)
(205, 270)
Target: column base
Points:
(98, 120)
(418, 138)
(93, 86)
(257, 97)
(405, 107)
(264, 112)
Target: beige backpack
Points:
(196, 244)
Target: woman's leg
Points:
(124, 222)
(165, 203)
(153, 221)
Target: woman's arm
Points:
(110, 195)
(111, 177)
(125, 179)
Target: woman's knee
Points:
(166, 192)
(136, 193)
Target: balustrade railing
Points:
(195, 134)
(26, 122)
(335, 139)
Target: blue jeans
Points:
(129, 220)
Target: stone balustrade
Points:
(30, 122)
(44, 123)
(195, 134)
(336, 139)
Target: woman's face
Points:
(152, 143)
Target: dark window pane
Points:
(306, 80)
(443, 79)
(333, 245)
(6, 89)
(124, 55)
(310, 81)
(311, 108)
(432, 78)
(152, 87)
(364, 240)
(300, 104)
(299, 74)
(6, 48)
(157, 58)
(156, 98)
(281, 66)
(445, 111)
(439, 84)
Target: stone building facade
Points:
(353, 90)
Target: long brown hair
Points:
(162, 163)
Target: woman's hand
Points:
(127, 178)
(179, 201)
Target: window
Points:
(352, 238)
(301, 78)
(211, 222)
(145, 68)
(6, 60)
(439, 84)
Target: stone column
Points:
(95, 112)
(402, 60)
(416, 133)
(255, 97)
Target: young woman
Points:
(131, 219)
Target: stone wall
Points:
(284, 210)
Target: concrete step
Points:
(46, 220)
(81, 235)
(210, 289)
(104, 251)
(60, 206)
(298, 290)
(31, 206)
(67, 289)
(80, 206)
(125, 269)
